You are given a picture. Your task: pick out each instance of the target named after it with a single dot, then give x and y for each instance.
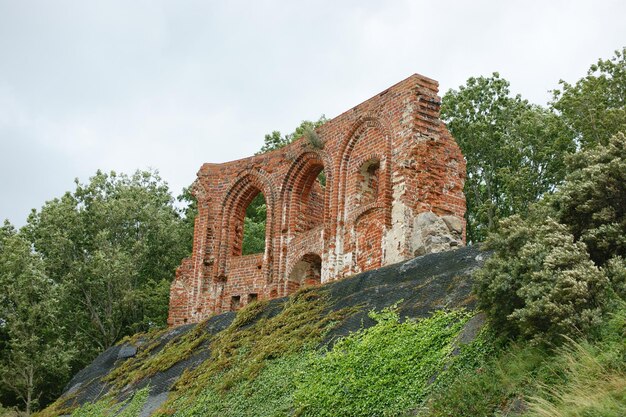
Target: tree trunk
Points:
(29, 390)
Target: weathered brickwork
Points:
(393, 190)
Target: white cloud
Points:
(125, 85)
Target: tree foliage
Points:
(277, 140)
(254, 226)
(34, 352)
(189, 212)
(113, 245)
(87, 269)
(592, 201)
(540, 283)
(514, 150)
(594, 108)
(543, 280)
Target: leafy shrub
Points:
(540, 284)
(592, 201)
(615, 270)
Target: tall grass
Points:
(580, 379)
(595, 375)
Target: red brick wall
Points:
(393, 175)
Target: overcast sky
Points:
(126, 85)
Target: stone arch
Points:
(305, 272)
(233, 206)
(369, 138)
(296, 192)
(306, 206)
(346, 161)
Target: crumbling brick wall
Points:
(393, 190)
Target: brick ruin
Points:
(393, 191)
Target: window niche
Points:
(235, 302)
(369, 181)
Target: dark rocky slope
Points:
(424, 284)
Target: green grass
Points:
(594, 376)
(107, 407)
(579, 379)
(266, 365)
(146, 364)
(591, 388)
(253, 341)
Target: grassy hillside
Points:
(400, 341)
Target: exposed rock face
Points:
(424, 284)
(393, 190)
(434, 234)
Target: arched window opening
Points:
(307, 271)
(254, 224)
(312, 197)
(247, 222)
(369, 181)
(321, 179)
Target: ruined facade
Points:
(393, 190)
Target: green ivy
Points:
(384, 370)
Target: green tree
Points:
(112, 245)
(189, 211)
(514, 150)
(34, 356)
(273, 141)
(276, 140)
(543, 280)
(594, 108)
(592, 201)
(254, 226)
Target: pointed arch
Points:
(347, 160)
(306, 203)
(247, 186)
(299, 183)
